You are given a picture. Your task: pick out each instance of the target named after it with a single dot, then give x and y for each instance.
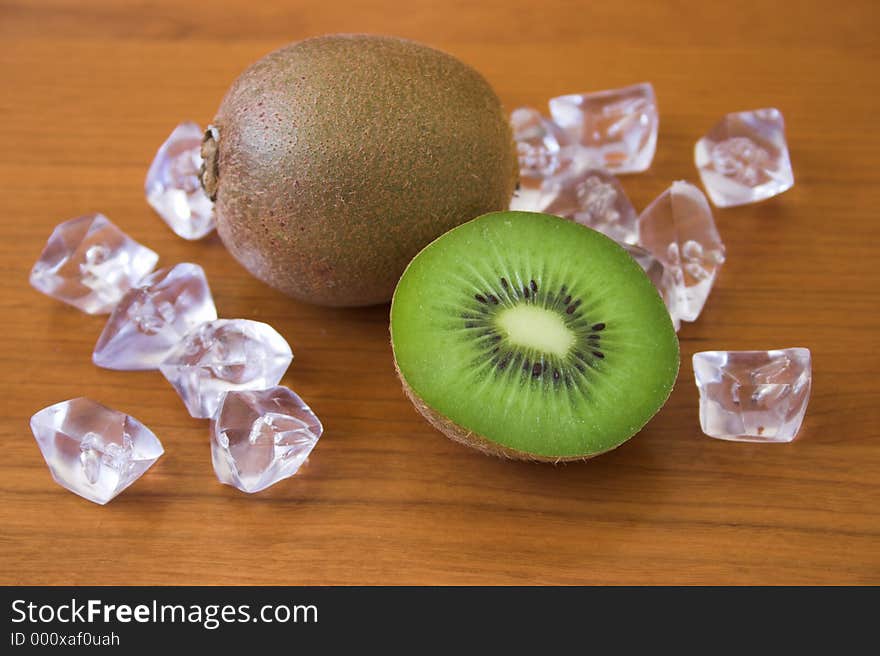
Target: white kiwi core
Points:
(536, 328)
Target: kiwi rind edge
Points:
(473, 440)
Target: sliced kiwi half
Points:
(529, 336)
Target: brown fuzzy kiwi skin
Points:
(334, 160)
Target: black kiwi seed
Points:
(504, 283)
(534, 286)
(536, 370)
(598, 326)
(480, 298)
(493, 299)
(599, 354)
(567, 299)
(526, 292)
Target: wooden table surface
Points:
(92, 88)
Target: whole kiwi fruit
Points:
(334, 160)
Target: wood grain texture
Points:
(92, 88)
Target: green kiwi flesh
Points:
(529, 336)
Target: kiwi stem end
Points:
(209, 172)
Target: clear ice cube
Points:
(678, 229)
(153, 317)
(753, 396)
(527, 197)
(261, 437)
(537, 144)
(90, 264)
(564, 181)
(537, 147)
(593, 198)
(225, 355)
(662, 278)
(744, 158)
(172, 186)
(616, 128)
(91, 450)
